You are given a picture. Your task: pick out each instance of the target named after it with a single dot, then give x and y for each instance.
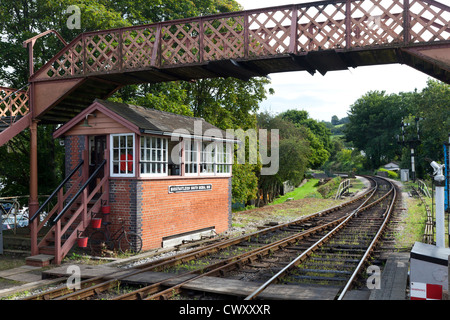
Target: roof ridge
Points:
(153, 109)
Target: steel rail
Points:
(238, 261)
(98, 284)
(196, 253)
(97, 288)
(372, 245)
(257, 253)
(309, 251)
(95, 285)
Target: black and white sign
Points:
(190, 188)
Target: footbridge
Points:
(314, 37)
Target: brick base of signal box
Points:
(147, 207)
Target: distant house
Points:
(393, 166)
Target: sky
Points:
(334, 93)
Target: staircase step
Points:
(50, 242)
(40, 260)
(47, 250)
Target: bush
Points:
(329, 189)
(391, 174)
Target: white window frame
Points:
(187, 159)
(214, 161)
(227, 163)
(112, 149)
(211, 160)
(164, 154)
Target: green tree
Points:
(317, 134)
(343, 159)
(21, 20)
(433, 106)
(294, 151)
(375, 121)
(227, 103)
(295, 116)
(150, 11)
(15, 173)
(334, 120)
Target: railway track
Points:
(339, 256)
(293, 243)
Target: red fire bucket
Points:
(106, 209)
(96, 223)
(82, 242)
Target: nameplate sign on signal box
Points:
(190, 188)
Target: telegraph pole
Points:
(412, 143)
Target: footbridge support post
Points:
(33, 203)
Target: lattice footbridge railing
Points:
(253, 34)
(13, 105)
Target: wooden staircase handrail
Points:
(33, 39)
(15, 128)
(82, 225)
(64, 233)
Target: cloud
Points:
(334, 93)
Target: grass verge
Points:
(309, 190)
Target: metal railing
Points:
(79, 192)
(343, 186)
(56, 191)
(423, 188)
(428, 234)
